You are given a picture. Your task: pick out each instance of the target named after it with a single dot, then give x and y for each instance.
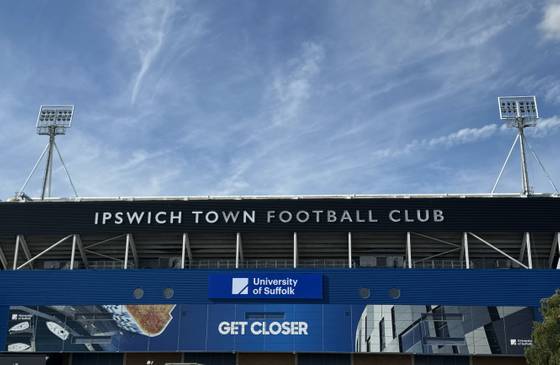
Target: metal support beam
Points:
(186, 250)
(48, 170)
(295, 250)
(133, 250)
(20, 242)
(104, 256)
(82, 251)
(498, 250)
(3, 260)
(555, 248)
(16, 253)
(466, 250)
(350, 250)
(527, 240)
(43, 252)
(126, 247)
(524, 171)
(504, 165)
(89, 247)
(238, 250)
(436, 239)
(73, 254)
(25, 249)
(523, 247)
(438, 255)
(408, 250)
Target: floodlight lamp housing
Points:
(522, 111)
(54, 119)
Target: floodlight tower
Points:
(52, 120)
(520, 112)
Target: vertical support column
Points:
(524, 172)
(238, 250)
(408, 250)
(555, 247)
(48, 170)
(25, 248)
(127, 245)
(350, 250)
(466, 250)
(16, 253)
(528, 245)
(558, 263)
(82, 251)
(184, 250)
(295, 251)
(73, 255)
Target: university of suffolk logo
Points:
(239, 286)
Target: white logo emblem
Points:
(239, 286)
(513, 342)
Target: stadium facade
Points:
(433, 279)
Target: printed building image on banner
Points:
(435, 329)
(270, 328)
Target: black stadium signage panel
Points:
(358, 214)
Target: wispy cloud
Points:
(550, 24)
(293, 89)
(547, 86)
(288, 93)
(192, 97)
(145, 28)
(153, 33)
(545, 127)
(464, 136)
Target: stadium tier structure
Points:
(399, 279)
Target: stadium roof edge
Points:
(289, 197)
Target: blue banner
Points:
(268, 327)
(265, 286)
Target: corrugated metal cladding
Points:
(342, 286)
(460, 214)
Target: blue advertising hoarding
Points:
(67, 311)
(265, 286)
(421, 329)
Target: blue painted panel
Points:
(417, 286)
(265, 285)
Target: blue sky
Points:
(277, 97)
